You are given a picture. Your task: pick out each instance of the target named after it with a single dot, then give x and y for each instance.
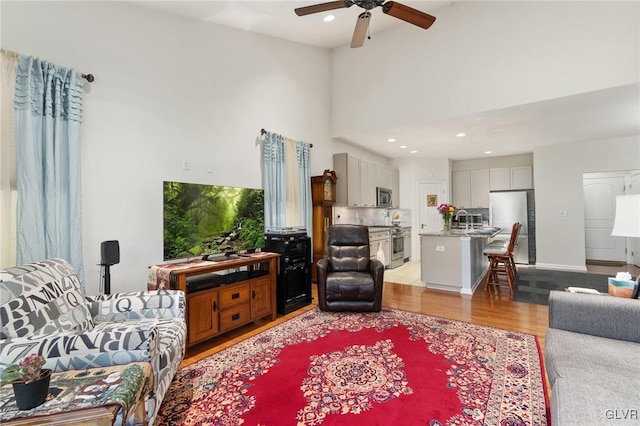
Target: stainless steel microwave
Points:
(383, 197)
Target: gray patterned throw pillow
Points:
(42, 298)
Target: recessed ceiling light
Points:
(391, 140)
(461, 135)
(488, 152)
(404, 146)
(329, 18)
(414, 152)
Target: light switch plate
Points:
(439, 248)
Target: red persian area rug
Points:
(387, 368)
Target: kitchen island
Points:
(454, 260)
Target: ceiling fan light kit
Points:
(391, 8)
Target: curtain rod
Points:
(88, 77)
(263, 131)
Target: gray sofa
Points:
(592, 356)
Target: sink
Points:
(483, 231)
(460, 230)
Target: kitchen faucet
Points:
(466, 222)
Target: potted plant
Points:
(30, 381)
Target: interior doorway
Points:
(600, 191)
(430, 195)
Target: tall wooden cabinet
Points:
(323, 197)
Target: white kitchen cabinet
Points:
(380, 239)
(395, 187)
(500, 179)
(471, 189)
(368, 174)
(347, 168)
(521, 177)
(353, 181)
(383, 176)
(461, 188)
(358, 179)
(479, 188)
(406, 241)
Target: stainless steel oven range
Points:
(397, 247)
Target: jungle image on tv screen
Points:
(204, 219)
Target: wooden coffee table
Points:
(94, 396)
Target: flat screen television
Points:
(205, 219)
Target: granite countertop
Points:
(473, 233)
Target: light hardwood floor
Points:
(495, 309)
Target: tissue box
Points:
(621, 288)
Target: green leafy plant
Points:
(26, 371)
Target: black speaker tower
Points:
(109, 255)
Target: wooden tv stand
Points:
(216, 310)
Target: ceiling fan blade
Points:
(322, 7)
(408, 14)
(360, 32)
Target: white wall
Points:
(481, 56)
(558, 175)
(169, 89)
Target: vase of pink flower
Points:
(30, 381)
(446, 210)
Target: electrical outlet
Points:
(563, 213)
(439, 248)
(209, 167)
(186, 165)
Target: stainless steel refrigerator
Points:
(509, 207)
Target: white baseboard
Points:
(561, 267)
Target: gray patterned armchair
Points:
(43, 311)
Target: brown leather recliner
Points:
(348, 280)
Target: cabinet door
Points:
(407, 247)
(367, 184)
(395, 187)
(479, 188)
(384, 177)
(500, 179)
(260, 297)
(461, 187)
(353, 181)
(521, 177)
(203, 315)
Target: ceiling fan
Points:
(397, 10)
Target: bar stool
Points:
(501, 260)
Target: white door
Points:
(634, 188)
(430, 195)
(599, 213)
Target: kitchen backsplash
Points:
(371, 216)
(483, 212)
